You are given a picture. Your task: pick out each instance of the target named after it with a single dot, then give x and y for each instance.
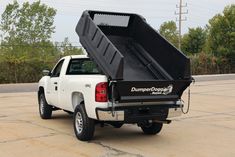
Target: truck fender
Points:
(77, 99)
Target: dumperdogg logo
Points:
(154, 90)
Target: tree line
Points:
(212, 48)
(26, 47)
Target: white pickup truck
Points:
(132, 75)
(76, 85)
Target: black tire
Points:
(152, 129)
(84, 126)
(45, 110)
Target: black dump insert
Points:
(131, 53)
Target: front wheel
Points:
(152, 128)
(45, 110)
(84, 126)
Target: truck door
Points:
(53, 84)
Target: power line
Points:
(180, 19)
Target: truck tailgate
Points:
(147, 91)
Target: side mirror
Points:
(46, 72)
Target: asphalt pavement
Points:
(206, 131)
(18, 88)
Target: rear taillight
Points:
(101, 92)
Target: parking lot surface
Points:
(208, 130)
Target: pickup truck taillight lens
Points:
(101, 92)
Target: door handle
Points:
(55, 82)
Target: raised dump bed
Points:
(129, 51)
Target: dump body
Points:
(142, 65)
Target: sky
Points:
(155, 11)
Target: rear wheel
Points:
(45, 110)
(152, 128)
(84, 126)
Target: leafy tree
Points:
(221, 39)
(66, 48)
(169, 31)
(27, 24)
(27, 29)
(194, 41)
(26, 44)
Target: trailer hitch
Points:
(163, 121)
(148, 123)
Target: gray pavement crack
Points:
(204, 116)
(111, 151)
(45, 127)
(27, 138)
(3, 116)
(38, 125)
(115, 152)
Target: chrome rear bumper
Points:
(107, 115)
(119, 115)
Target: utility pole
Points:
(180, 19)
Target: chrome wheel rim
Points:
(79, 122)
(42, 107)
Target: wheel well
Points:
(77, 99)
(40, 90)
